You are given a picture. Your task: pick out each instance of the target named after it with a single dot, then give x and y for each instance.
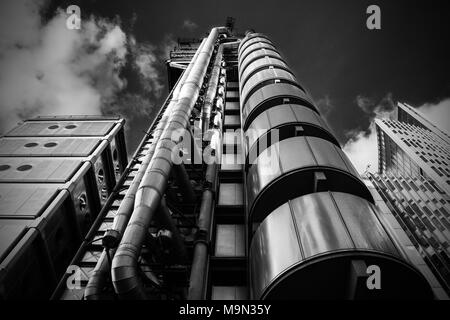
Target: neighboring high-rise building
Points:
(264, 205)
(55, 175)
(414, 179)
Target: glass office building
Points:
(414, 179)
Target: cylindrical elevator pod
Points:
(283, 122)
(255, 40)
(271, 95)
(256, 55)
(254, 47)
(313, 229)
(265, 77)
(321, 246)
(249, 37)
(260, 64)
(297, 166)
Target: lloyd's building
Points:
(280, 213)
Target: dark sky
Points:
(326, 43)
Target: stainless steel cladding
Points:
(306, 249)
(315, 228)
(62, 127)
(71, 130)
(25, 185)
(263, 77)
(275, 175)
(25, 268)
(256, 55)
(51, 213)
(55, 173)
(47, 147)
(270, 95)
(260, 64)
(278, 120)
(58, 199)
(97, 140)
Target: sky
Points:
(115, 64)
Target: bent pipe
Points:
(125, 269)
(97, 280)
(99, 277)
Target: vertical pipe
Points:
(211, 93)
(197, 280)
(199, 268)
(125, 268)
(97, 280)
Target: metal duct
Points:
(212, 87)
(200, 258)
(199, 268)
(99, 275)
(125, 268)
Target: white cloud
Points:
(362, 150)
(47, 69)
(365, 103)
(19, 22)
(167, 45)
(325, 105)
(373, 108)
(438, 114)
(145, 58)
(189, 25)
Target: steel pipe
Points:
(199, 268)
(200, 259)
(212, 88)
(97, 280)
(125, 268)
